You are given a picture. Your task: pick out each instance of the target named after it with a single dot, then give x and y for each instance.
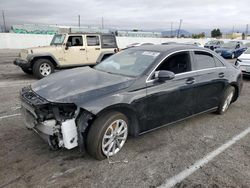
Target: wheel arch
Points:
(236, 87)
(48, 57)
(129, 112)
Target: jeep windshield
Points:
(57, 40)
(131, 62)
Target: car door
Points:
(172, 100)
(210, 79)
(75, 54)
(93, 48)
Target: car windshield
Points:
(247, 51)
(212, 42)
(229, 45)
(131, 62)
(247, 44)
(57, 40)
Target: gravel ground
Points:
(26, 161)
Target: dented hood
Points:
(79, 85)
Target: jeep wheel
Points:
(27, 71)
(43, 68)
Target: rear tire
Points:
(104, 138)
(226, 100)
(43, 68)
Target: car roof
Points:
(90, 33)
(167, 48)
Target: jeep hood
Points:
(79, 85)
(42, 49)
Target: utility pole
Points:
(179, 28)
(246, 30)
(171, 33)
(79, 21)
(4, 24)
(102, 23)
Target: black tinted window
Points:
(204, 60)
(108, 41)
(75, 40)
(177, 63)
(93, 41)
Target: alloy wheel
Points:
(227, 102)
(114, 137)
(45, 69)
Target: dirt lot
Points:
(26, 161)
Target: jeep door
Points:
(93, 48)
(75, 54)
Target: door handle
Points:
(82, 49)
(221, 75)
(190, 81)
(97, 48)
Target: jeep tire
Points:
(43, 68)
(27, 71)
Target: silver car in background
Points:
(243, 62)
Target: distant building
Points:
(54, 29)
(138, 34)
(233, 35)
(34, 29)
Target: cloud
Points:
(140, 14)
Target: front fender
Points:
(31, 57)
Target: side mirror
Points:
(68, 44)
(163, 75)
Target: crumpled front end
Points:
(54, 122)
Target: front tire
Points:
(226, 100)
(43, 68)
(107, 135)
(27, 71)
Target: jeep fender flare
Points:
(102, 55)
(32, 57)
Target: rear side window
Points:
(108, 41)
(204, 60)
(93, 41)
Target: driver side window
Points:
(176, 63)
(75, 40)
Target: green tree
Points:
(216, 33)
(199, 35)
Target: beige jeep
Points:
(67, 51)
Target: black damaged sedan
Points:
(130, 93)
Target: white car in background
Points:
(243, 62)
(195, 44)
